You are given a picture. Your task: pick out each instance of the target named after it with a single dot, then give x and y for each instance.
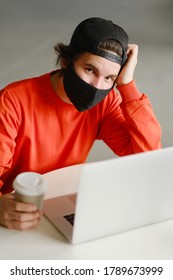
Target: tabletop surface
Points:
(45, 242)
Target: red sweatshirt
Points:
(39, 132)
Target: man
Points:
(52, 121)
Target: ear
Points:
(64, 63)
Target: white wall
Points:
(29, 29)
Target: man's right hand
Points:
(127, 73)
(17, 215)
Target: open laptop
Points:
(114, 195)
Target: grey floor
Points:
(30, 28)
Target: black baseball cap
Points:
(92, 31)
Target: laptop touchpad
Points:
(72, 198)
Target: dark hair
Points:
(68, 54)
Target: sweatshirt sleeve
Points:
(131, 126)
(8, 131)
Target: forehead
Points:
(98, 62)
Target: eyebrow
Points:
(97, 70)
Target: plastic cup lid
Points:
(30, 183)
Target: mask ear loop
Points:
(115, 84)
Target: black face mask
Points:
(81, 94)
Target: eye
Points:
(110, 79)
(89, 70)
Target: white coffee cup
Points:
(30, 187)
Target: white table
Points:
(152, 242)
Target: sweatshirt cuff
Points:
(129, 92)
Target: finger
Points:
(23, 216)
(8, 202)
(25, 207)
(133, 49)
(20, 220)
(12, 224)
(20, 206)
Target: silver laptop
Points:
(114, 196)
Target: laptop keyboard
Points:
(70, 218)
